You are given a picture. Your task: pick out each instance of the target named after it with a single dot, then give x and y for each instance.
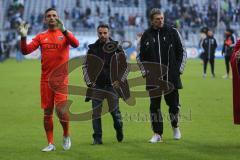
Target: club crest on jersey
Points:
(60, 38)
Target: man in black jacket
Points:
(227, 50)
(161, 46)
(105, 72)
(209, 45)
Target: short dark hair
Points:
(230, 30)
(49, 9)
(204, 30)
(103, 26)
(155, 11)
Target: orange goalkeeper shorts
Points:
(51, 97)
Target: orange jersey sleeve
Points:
(29, 48)
(71, 39)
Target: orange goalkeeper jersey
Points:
(54, 46)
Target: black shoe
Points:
(97, 142)
(119, 135)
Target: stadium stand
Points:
(125, 17)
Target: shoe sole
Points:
(156, 142)
(49, 151)
(66, 149)
(175, 138)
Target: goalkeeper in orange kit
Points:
(54, 44)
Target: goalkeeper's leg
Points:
(63, 117)
(47, 103)
(48, 124)
(62, 112)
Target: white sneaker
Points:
(204, 75)
(66, 143)
(49, 148)
(226, 76)
(155, 138)
(176, 133)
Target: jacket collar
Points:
(94, 45)
(110, 40)
(98, 43)
(164, 28)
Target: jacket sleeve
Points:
(71, 39)
(125, 74)
(223, 49)
(204, 45)
(32, 46)
(180, 51)
(141, 57)
(124, 67)
(215, 44)
(85, 69)
(234, 40)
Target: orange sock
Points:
(65, 125)
(63, 117)
(48, 126)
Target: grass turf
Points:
(207, 127)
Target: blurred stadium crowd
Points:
(125, 17)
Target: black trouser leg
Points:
(117, 119)
(212, 66)
(113, 103)
(172, 100)
(205, 61)
(156, 115)
(96, 119)
(227, 61)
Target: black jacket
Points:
(209, 45)
(228, 45)
(165, 47)
(103, 68)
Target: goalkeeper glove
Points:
(60, 25)
(23, 29)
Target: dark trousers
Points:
(172, 100)
(113, 103)
(205, 62)
(227, 63)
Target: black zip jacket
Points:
(165, 47)
(209, 45)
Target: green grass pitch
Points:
(207, 128)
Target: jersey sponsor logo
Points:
(52, 46)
